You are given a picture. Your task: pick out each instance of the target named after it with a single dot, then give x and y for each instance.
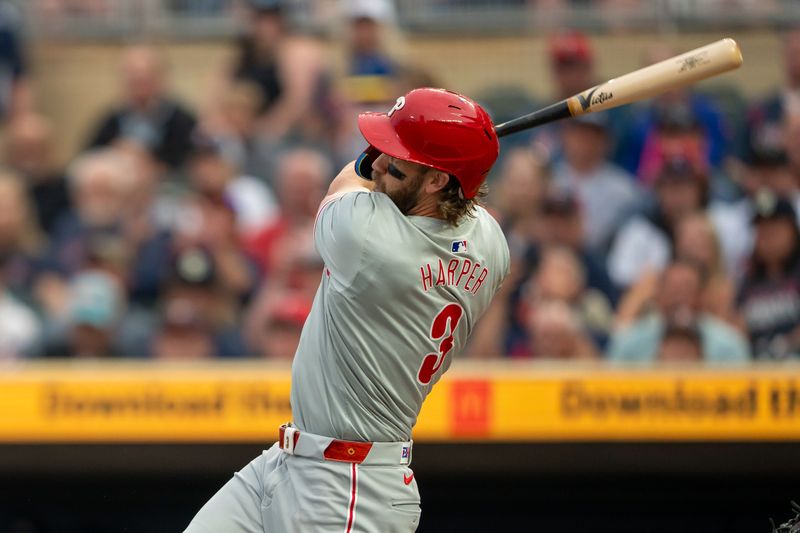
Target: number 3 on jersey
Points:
(450, 315)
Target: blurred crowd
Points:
(666, 230)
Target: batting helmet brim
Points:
(379, 132)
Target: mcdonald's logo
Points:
(471, 407)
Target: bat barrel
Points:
(678, 71)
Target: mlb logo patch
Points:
(405, 453)
(458, 247)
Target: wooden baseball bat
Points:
(685, 69)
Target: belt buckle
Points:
(290, 436)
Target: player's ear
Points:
(436, 180)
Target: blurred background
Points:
(162, 163)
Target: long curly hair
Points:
(453, 207)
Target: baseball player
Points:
(411, 263)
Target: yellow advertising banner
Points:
(247, 403)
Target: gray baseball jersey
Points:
(398, 299)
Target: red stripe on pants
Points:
(351, 515)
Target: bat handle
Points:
(551, 113)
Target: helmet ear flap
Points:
(365, 160)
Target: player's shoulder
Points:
(487, 223)
(488, 235)
(360, 198)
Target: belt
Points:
(295, 442)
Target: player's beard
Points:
(407, 197)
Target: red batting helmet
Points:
(435, 128)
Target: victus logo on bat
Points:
(601, 97)
(591, 98)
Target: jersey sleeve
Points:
(341, 231)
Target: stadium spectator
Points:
(147, 113)
(20, 328)
(605, 192)
(372, 76)
(645, 242)
(199, 7)
(555, 332)
(571, 59)
(572, 63)
(213, 173)
(675, 295)
(95, 309)
(184, 333)
(671, 116)
(790, 185)
(563, 224)
(371, 69)
(198, 313)
(769, 297)
(517, 196)
(302, 178)
(681, 343)
(516, 200)
(696, 239)
(101, 184)
(560, 277)
(22, 243)
(791, 141)
(770, 113)
(29, 152)
(289, 71)
(209, 223)
(281, 326)
(766, 170)
(234, 124)
(16, 95)
(556, 222)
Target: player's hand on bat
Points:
(347, 180)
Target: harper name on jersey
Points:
(457, 270)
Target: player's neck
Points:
(427, 206)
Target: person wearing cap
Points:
(644, 243)
(769, 296)
(282, 325)
(572, 63)
(766, 170)
(571, 59)
(196, 310)
(371, 68)
(411, 262)
(95, 309)
(605, 191)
